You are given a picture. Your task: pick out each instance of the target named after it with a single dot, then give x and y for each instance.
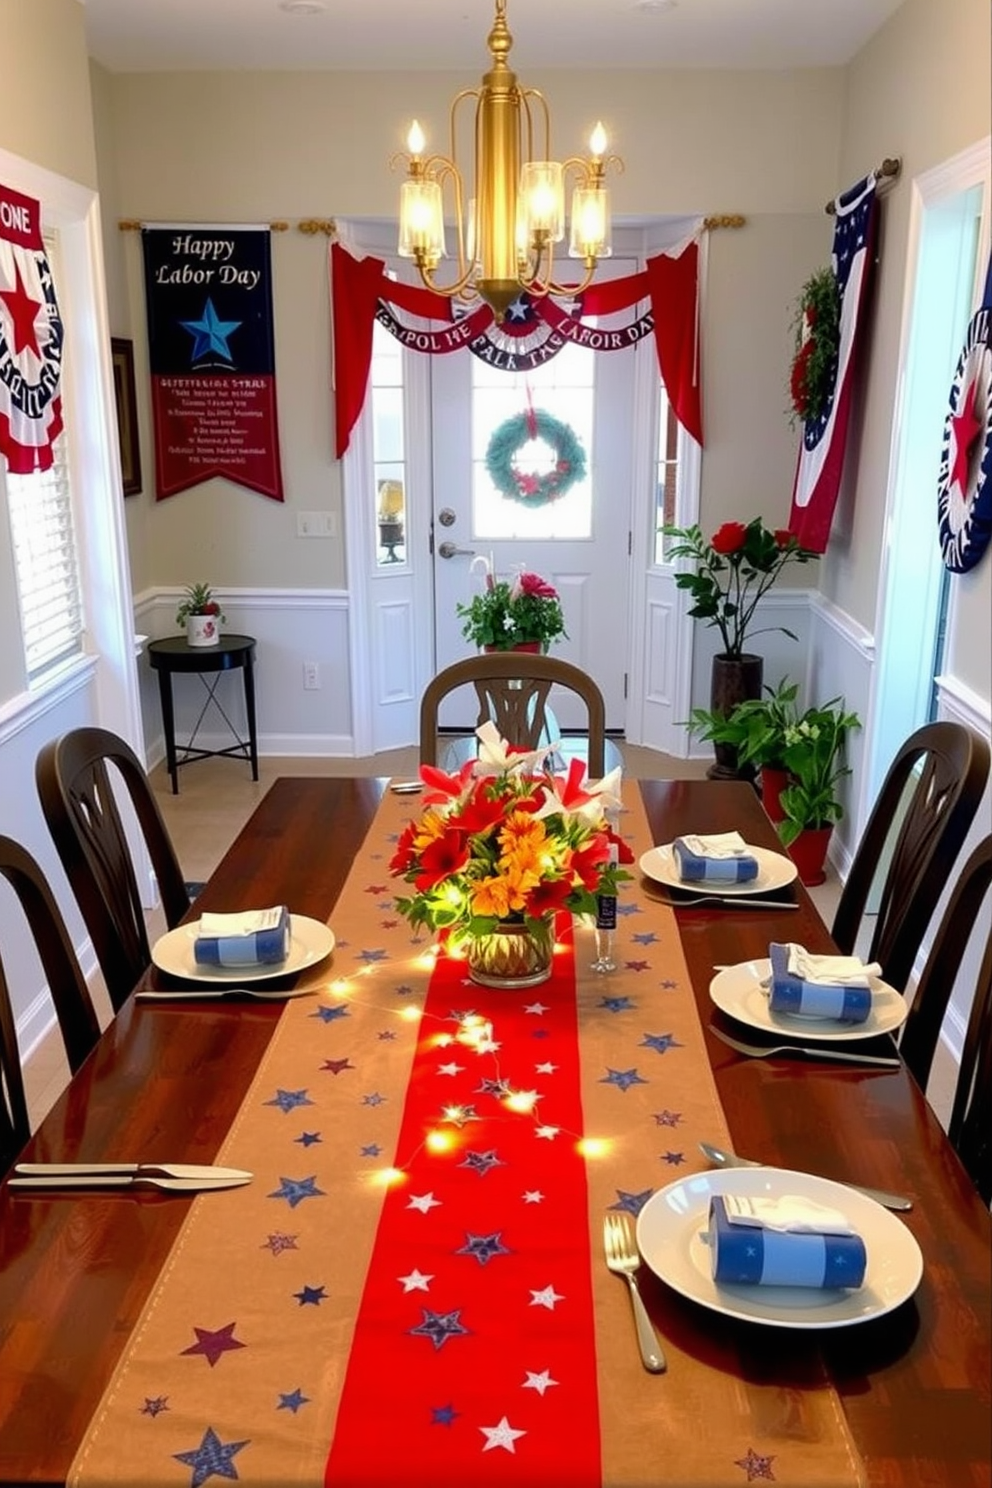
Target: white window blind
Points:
(40, 507)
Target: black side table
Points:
(175, 655)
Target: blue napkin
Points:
(258, 937)
(808, 986)
(722, 858)
(747, 1249)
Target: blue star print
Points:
(438, 1326)
(667, 1118)
(646, 937)
(481, 1162)
(293, 1400)
(617, 1004)
(443, 1415)
(210, 333)
(623, 1079)
(373, 1099)
(288, 1100)
(372, 1150)
(212, 1458)
(311, 1296)
(632, 1203)
(628, 909)
(484, 1247)
(154, 1404)
(307, 1139)
(674, 1159)
(329, 1014)
(295, 1190)
(660, 1042)
(370, 956)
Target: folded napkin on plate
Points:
(257, 937)
(721, 858)
(809, 986)
(788, 1241)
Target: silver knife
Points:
(205, 1171)
(722, 1159)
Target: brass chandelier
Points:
(516, 215)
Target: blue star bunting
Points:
(212, 1458)
(617, 1004)
(295, 1190)
(623, 1079)
(438, 1326)
(210, 333)
(484, 1247)
(632, 1203)
(307, 1139)
(443, 1415)
(660, 1042)
(481, 1162)
(288, 1100)
(329, 1014)
(311, 1296)
(293, 1400)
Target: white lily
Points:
(496, 757)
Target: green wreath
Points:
(816, 328)
(527, 486)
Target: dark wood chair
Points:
(75, 776)
(970, 1128)
(76, 1017)
(512, 689)
(916, 829)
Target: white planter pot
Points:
(202, 630)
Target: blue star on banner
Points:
(622, 1079)
(311, 1296)
(484, 1247)
(210, 333)
(632, 1203)
(481, 1162)
(443, 1415)
(660, 1042)
(288, 1100)
(212, 1458)
(295, 1190)
(438, 1326)
(293, 1400)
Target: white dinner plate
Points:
(775, 870)
(671, 1236)
(737, 990)
(309, 942)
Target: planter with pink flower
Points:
(522, 613)
(200, 615)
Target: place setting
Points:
(718, 868)
(223, 951)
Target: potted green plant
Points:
(519, 614)
(756, 730)
(810, 802)
(200, 615)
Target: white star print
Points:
(517, 311)
(423, 1202)
(539, 1008)
(415, 1282)
(545, 1069)
(533, 1196)
(450, 1069)
(546, 1298)
(502, 1435)
(547, 1132)
(539, 1382)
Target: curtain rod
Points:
(309, 225)
(889, 167)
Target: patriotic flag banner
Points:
(31, 337)
(208, 292)
(964, 490)
(821, 455)
(664, 298)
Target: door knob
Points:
(447, 517)
(452, 550)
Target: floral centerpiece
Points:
(524, 611)
(734, 569)
(500, 848)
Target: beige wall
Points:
(921, 90)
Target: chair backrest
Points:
(512, 689)
(66, 985)
(970, 1128)
(77, 798)
(941, 772)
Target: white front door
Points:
(579, 542)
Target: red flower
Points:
(586, 862)
(548, 897)
(783, 536)
(480, 812)
(404, 855)
(440, 859)
(729, 538)
(532, 583)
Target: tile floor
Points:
(217, 796)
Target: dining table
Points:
(411, 1291)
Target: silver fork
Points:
(836, 1056)
(622, 1258)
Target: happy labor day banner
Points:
(208, 292)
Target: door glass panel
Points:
(388, 452)
(666, 476)
(562, 387)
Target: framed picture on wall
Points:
(122, 355)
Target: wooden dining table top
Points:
(75, 1275)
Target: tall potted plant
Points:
(731, 573)
(757, 729)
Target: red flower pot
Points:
(534, 647)
(773, 783)
(809, 853)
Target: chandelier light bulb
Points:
(416, 139)
(597, 141)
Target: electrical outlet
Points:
(311, 676)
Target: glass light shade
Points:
(421, 219)
(591, 226)
(542, 194)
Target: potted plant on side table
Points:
(810, 803)
(519, 614)
(201, 616)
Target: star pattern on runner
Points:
(278, 1242)
(637, 965)
(212, 1458)
(632, 1203)
(539, 1382)
(756, 1466)
(438, 1326)
(370, 957)
(154, 1405)
(673, 1159)
(328, 1014)
(289, 1100)
(533, 1196)
(295, 1190)
(373, 1098)
(622, 1079)
(212, 1343)
(443, 1415)
(545, 1297)
(423, 1202)
(451, 1068)
(335, 1066)
(667, 1118)
(482, 1162)
(660, 1042)
(372, 1149)
(538, 1009)
(308, 1139)
(415, 1281)
(311, 1296)
(617, 1004)
(484, 1247)
(293, 1400)
(644, 937)
(501, 1435)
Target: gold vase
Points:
(515, 955)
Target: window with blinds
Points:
(44, 540)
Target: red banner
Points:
(31, 337)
